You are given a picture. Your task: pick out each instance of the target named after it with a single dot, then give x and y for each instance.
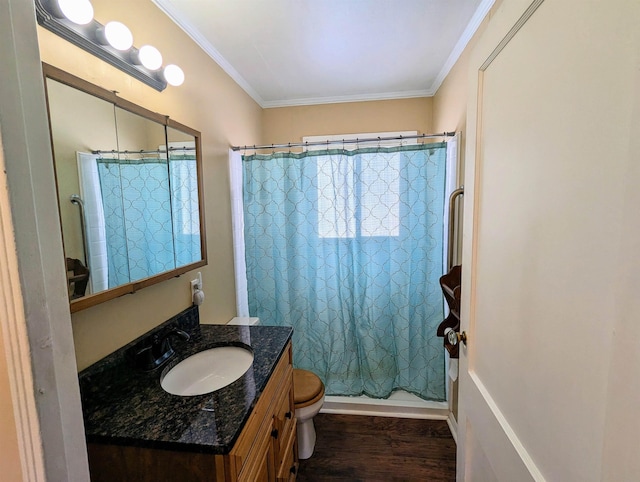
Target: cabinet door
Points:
(289, 465)
(284, 416)
(260, 467)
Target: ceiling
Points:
(301, 52)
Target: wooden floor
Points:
(358, 448)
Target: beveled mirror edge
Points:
(59, 75)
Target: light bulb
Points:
(77, 11)
(173, 75)
(150, 57)
(118, 35)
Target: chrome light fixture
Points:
(150, 57)
(173, 75)
(117, 35)
(77, 11)
(73, 20)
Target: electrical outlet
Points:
(196, 284)
(194, 287)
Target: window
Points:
(359, 194)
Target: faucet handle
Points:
(155, 350)
(161, 347)
(181, 333)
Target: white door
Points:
(551, 177)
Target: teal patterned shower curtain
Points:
(346, 247)
(185, 208)
(147, 228)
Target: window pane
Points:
(336, 197)
(380, 198)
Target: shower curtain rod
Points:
(156, 151)
(342, 141)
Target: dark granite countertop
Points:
(126, 406)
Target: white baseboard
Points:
(400, 407)
(453, 426)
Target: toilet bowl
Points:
(308, 392)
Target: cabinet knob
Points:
(274, 433)
(288, 415)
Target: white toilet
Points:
(308, 391)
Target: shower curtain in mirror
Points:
(346, 247)
(185, 207)
(147, 231)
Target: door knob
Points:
(453, 337)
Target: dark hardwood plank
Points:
(360, 448)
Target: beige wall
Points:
(450, 101)
(9, 452)
(208, 101)
(450, 114)
(290, 124)
(10, 457)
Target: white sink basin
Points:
(207, 371)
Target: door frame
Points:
(36, 324)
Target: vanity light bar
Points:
(91, 37)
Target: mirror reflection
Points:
(128, 191)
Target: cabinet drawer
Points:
(288, 468)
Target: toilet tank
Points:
(239, 320)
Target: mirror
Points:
(129, 185)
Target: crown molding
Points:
(462, 43)
(173, 13)
(338, 99)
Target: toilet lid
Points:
(307, 388)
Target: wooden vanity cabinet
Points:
(266, 450)
(262, 450)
